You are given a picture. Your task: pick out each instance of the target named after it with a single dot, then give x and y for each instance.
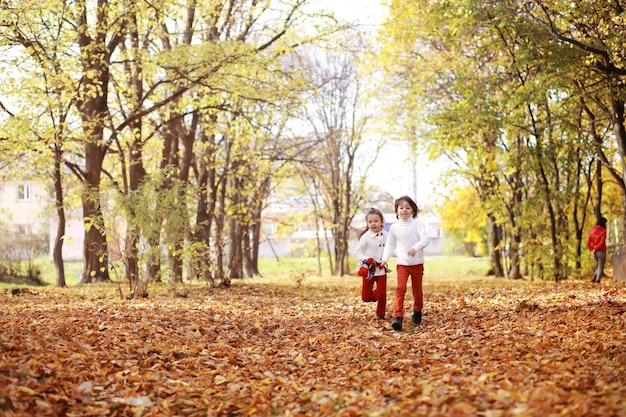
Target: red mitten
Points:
(365, 267)
(363, 272)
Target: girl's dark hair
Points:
(410, 202)
(376, 212)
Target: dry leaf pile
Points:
(261, 350)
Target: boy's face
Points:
(404, 211)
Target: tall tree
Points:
(99, 30)
(480, 70)
(596, 32)
(39, 82)
(337, 117)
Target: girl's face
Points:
(374, 223)
(405, 211)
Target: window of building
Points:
(23, 192)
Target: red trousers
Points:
(369, 294)
(416, 272)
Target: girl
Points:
(407, 239)
(369, 252)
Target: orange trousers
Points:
(416, 272)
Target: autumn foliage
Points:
(258, 349)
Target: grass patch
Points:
(48, 273)
(442, 273)
(455, 266)
(436, 266)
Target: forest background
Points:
(175, 125)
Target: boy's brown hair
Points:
(410, 202)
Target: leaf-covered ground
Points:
(314, 350)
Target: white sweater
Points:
(372, 245)
(404, 235)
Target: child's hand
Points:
(412, 252)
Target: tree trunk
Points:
(137, 172)
(96, 258)
(57, 252)
(336, 231)
(341, 247)
(255, 225)
(254, 250)
(202, 232)
(620, 136)
(548, 202)
(173, 136)
(597, 208)
(153, 264)
(235, 242)
(515, 272)
(495, 253)
(246, 251)
(137, 175)
(220, 221)
(93, 109)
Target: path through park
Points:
(314, 349)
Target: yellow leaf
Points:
(464, 408)
(27, 390)
(486, 376)
(499, 395)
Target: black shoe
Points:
(417, 317)
(397, 324)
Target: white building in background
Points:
(26, 207)
(303, 234)
(23, 220)
(23, 206)
(74, 234)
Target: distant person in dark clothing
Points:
(596, 243)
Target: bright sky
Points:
(395, 170)
(365, 11)
(401, 173)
